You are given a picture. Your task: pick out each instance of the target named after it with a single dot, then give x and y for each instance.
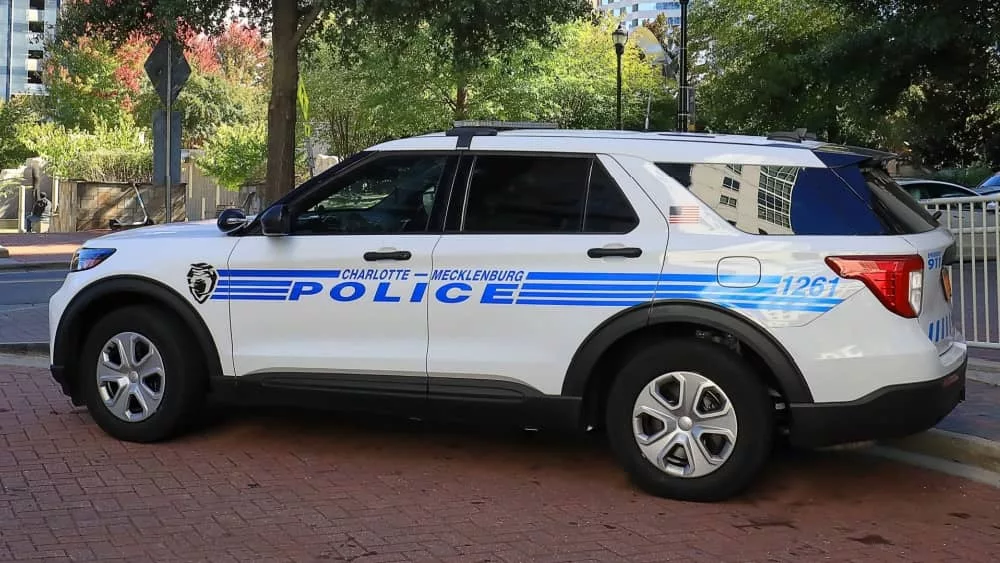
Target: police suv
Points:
(694, 296)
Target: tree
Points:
(87, 83)
(289, 22)
(15, 116)
(469, 34)
(579, 86)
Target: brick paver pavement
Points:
(271, 486)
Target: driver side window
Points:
(393, 194)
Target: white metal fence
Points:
(975, 223)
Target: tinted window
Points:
(526, 194)
(608, 210)
(393, 194)
(783, 200)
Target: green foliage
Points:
(108, 154)
(385, 90)
(970, 177)
(236, 155)
(207, 102)
(578, 81)
(83, 86)
(917, 77)
(15, 115)
(462, 41)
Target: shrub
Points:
(236, 156)
(109, 154)
(970, 177)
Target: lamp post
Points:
(620, 36)
(682, 94)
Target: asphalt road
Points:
(24, 288)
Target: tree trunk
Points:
(281, 115)
(461, 99)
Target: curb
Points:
(10, 264)
(24, 348)
(960, 448)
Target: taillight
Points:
(897, 281)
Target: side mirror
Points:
(231, 220)
(276, 221)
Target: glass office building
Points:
(634, 14)
(23, 26)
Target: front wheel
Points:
(690, 420)
(140, 375)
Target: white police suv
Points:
(693, 295)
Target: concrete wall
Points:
(97, 203)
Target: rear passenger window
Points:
(526, 194)
(785, 200)
(608, 210)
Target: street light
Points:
(682, 95)
(620, 36)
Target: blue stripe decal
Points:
(642, 296)
(601, 276)
(255, 283)
(257, 290)
(312, 274)
(590, 287)
(807, 294)
(249, 298)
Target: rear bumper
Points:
(892, 412)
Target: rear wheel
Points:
(690, 420)
(140, 375)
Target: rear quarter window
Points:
(787, 200)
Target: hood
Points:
(185, 230)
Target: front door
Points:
(340, 302)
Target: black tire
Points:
(749, 397)
(185, 376)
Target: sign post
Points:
(168, 70)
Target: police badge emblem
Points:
(202, 279)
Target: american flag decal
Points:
(684, 214)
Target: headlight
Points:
(87, 258)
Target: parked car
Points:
(974, 224)
(990, 185)
(922, 188)
(693, 296)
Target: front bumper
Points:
(893, 412)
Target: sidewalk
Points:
(31, 250)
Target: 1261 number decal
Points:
(807, 286)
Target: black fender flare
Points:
(66, 340)
(626, 322)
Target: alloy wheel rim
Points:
(130, 377)
(684, 424)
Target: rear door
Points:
(539, 251)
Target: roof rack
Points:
(466, 130)
(796, 136)
(503, 125)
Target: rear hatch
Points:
(925, 284)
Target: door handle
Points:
(614, 252)
(401, 255)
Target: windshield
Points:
(991, 182)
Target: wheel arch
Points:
(119, 291)
(592, 368)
